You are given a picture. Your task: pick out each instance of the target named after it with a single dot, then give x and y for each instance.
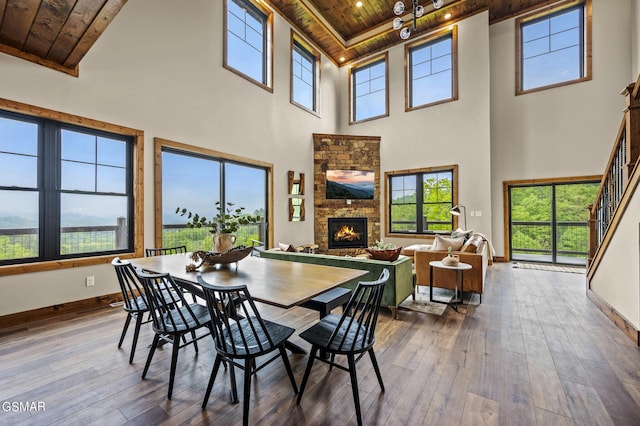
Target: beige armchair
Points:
(475, 254)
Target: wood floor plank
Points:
(480, 411)
(534, 352)
(586, 406)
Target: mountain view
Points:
(354, 191)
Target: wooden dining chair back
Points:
(134, 301)
(158, 251)
(352, 334)
(172, 317)
(240, 333)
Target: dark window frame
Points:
(585, 45)
(163, 145)
(361, 67)
(451, 33)
(419, 176)
(266, 18)
(50, 125)
(304, 50)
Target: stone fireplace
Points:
(347, 232)
(345, 152)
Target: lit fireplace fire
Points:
(346, 233)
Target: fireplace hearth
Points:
(347, 232)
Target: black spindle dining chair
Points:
(240, 333)
(135, 302)
(158, 251)
(173, 318)
(352, 334)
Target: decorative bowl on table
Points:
(384, 254)
(209, 258)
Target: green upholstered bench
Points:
(397, 289)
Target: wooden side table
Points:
(460, 268)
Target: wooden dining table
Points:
(275, 282)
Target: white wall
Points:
(158, 68)
(617, 279)
(451, 133)
(562, 132)
(635, 39)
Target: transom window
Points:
(304, 75)
(247, 48)
(369, 90)
(420, 200)
(552, 47)
(431, 72)
(67, 191)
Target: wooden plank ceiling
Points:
(347, 33)
(54, 33)
(58, 33)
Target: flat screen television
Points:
(350, 184)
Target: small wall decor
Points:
(296, 210)
(296, 184)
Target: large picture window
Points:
(247, 41)
(554, 46)
(67, 191)
(369, 84)
(431, 70)
(229, 179)
(420, 201)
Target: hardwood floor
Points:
(535, 352)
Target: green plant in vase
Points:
(223, 225)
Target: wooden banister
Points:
(622, 161)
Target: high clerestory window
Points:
(305, 74)
(431, 70)
(369, 88)
(554, 46)
(66, 191)
(247, 41)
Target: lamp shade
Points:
(455, 210)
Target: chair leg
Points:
(376, 368)
(195, 342)
(234, 387)
(214, 373)
(307, 371)
(136, 333)
(247, 391)
(152, 350)
(174, 362)
(287, 365)
(354, 386)
(124, 329)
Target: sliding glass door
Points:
(550, 222)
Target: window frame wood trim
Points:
(268, 86)
(137, 168)
(387, 196)
(453, 30)
(297, 38)
(588, 52)
(385, 57)
(160, 143)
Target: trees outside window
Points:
(420, 201)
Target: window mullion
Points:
(50, 207)
(419, 204)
